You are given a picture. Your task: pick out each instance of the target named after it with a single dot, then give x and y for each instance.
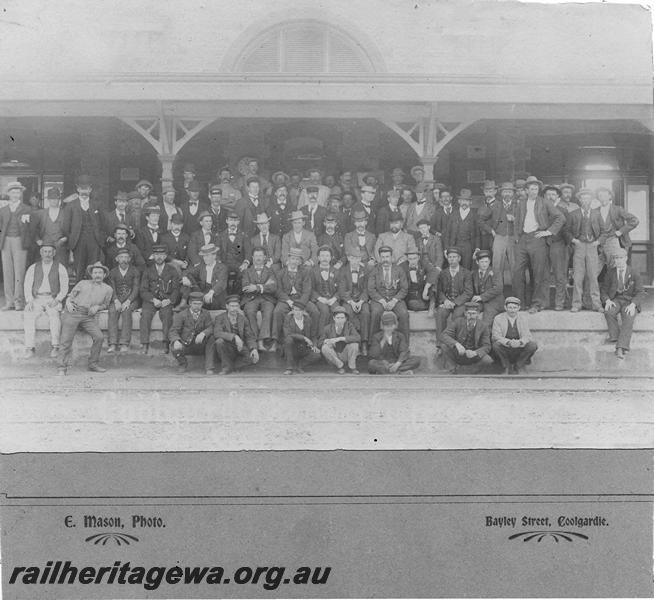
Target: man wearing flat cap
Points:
(400, 242)
(299, 339)
(387, 290)
(201, 237)
(45, 287)
(389, 350)
(622, 294)
(536, 220)
(301, 239)
(209, 277)
(160, 292)
(513, 343)
(463, 229)
(235, 340)
(191, 334)
(466, 340)
(453, 290)
(86, 299)
(487, 288)
(48, 225)
(339, 342)
(121, 241)
(83, 228)
(125, 281)
(353, 295)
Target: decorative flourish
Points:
(569, 536)
(119, 538)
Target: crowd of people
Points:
(316, 266)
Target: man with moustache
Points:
(259, 286)
(177, 242)
(513, 343)
(118, 216)
(366, 205)
(216, 210)
(430, 247)
(361, 240)
(301, 239)
(440, 221)
(399, 241)
(333, 239)
(250, 205)
(201, 237)
(280, 210)
(235, 252)
(209, 277)
(353, 295)
(125, 281)
(192, 208)
(420, 279)
(324, 287)
(339, 342)
(487, 288)
(48, 225)
(463, 229)
(388, 213)
(149, 236)
(466, 340)
(498, 221)
(421, 210)
(121, 241)
(234, 337)
(270, 242)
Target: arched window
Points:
(304, 47)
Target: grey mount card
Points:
(528, 523)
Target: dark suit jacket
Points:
(335, 242)
(398, 351)
(274, 246)
(350, 333)
(144, 241)
(318, 219)
(490, 287)
(622, 221)
(440, 222)
(38, 223)
(292, 331)
(73, 223)
(219, 220)
(234, 253)
(377, 289)
(110, 220)
(198, 277)
(347, 290)
(302, 285)
(464, 230)
(317, 283)
(547, 216)
(351, 242)
(279, 223)
(185, 328)
(137, 258)
(461, 287)
(165, 286)
(196, 242)
(633, 284)
(431, 253)
(575, 219)
(372, 216)
(176, 249)
(191, 222)
(125, 288)
(456, 331)
(248, 212)
(267, 282)
(222, 330)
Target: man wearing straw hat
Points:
(270, 242)
(86, 299)
(301, 239)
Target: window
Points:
(304, 47)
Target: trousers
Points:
(297, 353)
(441, 316)
(361, 320)
(180, 351)
(119, 321)
(266, 307)
(585, 265)
(559, 258)
(70, 323)
(148, 311)
(532, 252)
(380, 366)
(229, 354)
(347, 355)
(40, 306)
(280, 312)
(14, 264)
(514, 356)
(503, 254)
(620, 331)
(85, 253)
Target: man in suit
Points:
(367, 206)
(270, 242)
(324, 288)
(125, 281)
(160, 292)
(498, 221)
(293, 284)
(192, 334)
(251, 204)
(487, 288)
(169, 209)
(339, 342)
(177, 243)
(217, 211)
(345, 213)
(399, 241)
(513, 343)
(585, 228)
(536, 219)
(193, 208)
(622, 293)
(353, 294)
(314, 212)
(280, 210)
(201, 237)
(301, 239)
(118, 216)
(558, 248)
(440, 221)
(149, 236)
(235, 252)
(209, 277)
(388, 213)
(48, 225)
(361, 240)
(463, 229)
(489, 190)
(466, 340)
(83, 228)
(429, 246)
(389, 350)
(420, 280)
(299, 339)
(453, 290)
(422, 210)
(314, 176)
(259, 288)
(333, 239)
(235, 340)
(387, 289)
(120, 237)
(616, 223)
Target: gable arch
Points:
(309, 43)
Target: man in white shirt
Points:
(45, 287)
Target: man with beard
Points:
(120, 235)
(400, 242)
(280, 210)
(160, 291)
(467, 340)
(125, 281)
(86, 299)
(259, 288)
(387, 289)
(192, 334)
(216, 210)
(353, 294)
(361, 240)
(314, 176)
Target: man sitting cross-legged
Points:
(389, 350)
(467, 339)
(339, 342)
(512, 340)
(234, 337)
(299, 344)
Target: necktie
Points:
(447, 211)
(121, 216)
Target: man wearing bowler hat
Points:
(622, 293)
(299, 339)
(487, 288)
(512, 340)
(45, 287)
(466, 340)
(536, 220)
(234, 338)
(192, 334)
(160, 292)
(48, 225)
(209, 277)
(269, 241)
(86, 299)
(339, 342)
(301, 239)
(387, 289)
(389, 350)
(453, 290)
(125, 281)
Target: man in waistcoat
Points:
(125, 281)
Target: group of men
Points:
(301, 262)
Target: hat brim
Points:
(90, 268)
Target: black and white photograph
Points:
(326, 299)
